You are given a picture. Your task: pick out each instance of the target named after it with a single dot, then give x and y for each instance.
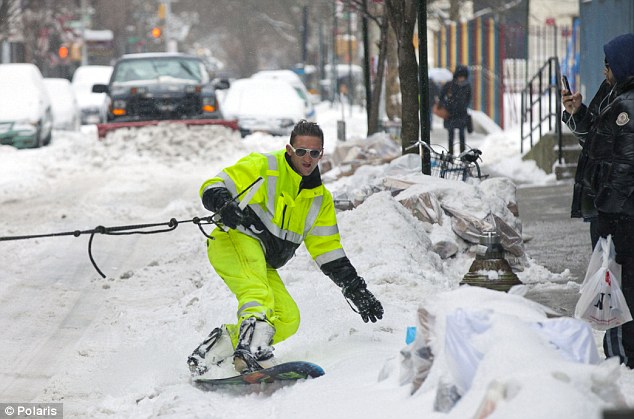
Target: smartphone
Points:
(565, 84)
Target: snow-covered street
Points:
(117, 347)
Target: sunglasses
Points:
(301, 152)
(607, 66)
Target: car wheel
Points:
(47, 140)
(38, 140)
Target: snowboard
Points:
(288, 371)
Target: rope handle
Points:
(135, 228)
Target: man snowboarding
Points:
(291, 206)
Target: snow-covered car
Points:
(94, 106)
(265, 105)
(66, 113)
(160, 86)
(294, 80)
(26, 117)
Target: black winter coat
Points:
(581, 125)
(610, 149)
(456, 98)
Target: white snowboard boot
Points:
(254, 351)
(215, 349)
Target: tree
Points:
(392, 85)
(378, 17)
(402, 17)
(373, 122)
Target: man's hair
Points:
(304, 127)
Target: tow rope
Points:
(142, 228)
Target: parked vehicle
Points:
(270, 106)
(66, 113)
(93, 106)
(160, 86)
(296, 82)
(26, 117)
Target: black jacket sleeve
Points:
(582, 121)
(342, 273)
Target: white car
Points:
(94, 106)
(270, 106)
(26, 117)
(66, 113)
(294, 80)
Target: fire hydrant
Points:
(490, 269)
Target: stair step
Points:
(545, 154)
(565, 171)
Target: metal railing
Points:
(541, 105)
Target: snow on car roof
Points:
(264, 97)
(19, 71)
(140, 55)
(92, 73)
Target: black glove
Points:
(367, 305)
(231, 215)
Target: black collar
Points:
(308, 182)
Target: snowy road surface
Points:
(116, 347)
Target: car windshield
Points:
(156, 68)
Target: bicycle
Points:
(448, 166)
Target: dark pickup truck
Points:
(161, 86)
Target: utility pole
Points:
(171, 45)
(423, 83)
(334, 85)
(366, 60)
(84, 46)
(351, 84)
(304, 35)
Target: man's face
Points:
(305, 164)
(607, 72)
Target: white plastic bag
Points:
(602, 303)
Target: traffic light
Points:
(63, 52)
(156, 32)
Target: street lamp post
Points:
(170, 44)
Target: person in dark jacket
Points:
(455, 96)
(609, 173)
(580, 124)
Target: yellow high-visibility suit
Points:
(286, 210)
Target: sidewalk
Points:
(557, 241)
(554, 240)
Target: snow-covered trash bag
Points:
(404, 165)
(477, 349)
(471, 228)
(424, 206)
(417, 357)
(602, 303)
(377, 149)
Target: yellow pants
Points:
(240, 262)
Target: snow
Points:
(116, 347)
(66, 113)
(84, 78)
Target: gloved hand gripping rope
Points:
(171, 225)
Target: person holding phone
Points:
(580, 118)
(604, 182)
